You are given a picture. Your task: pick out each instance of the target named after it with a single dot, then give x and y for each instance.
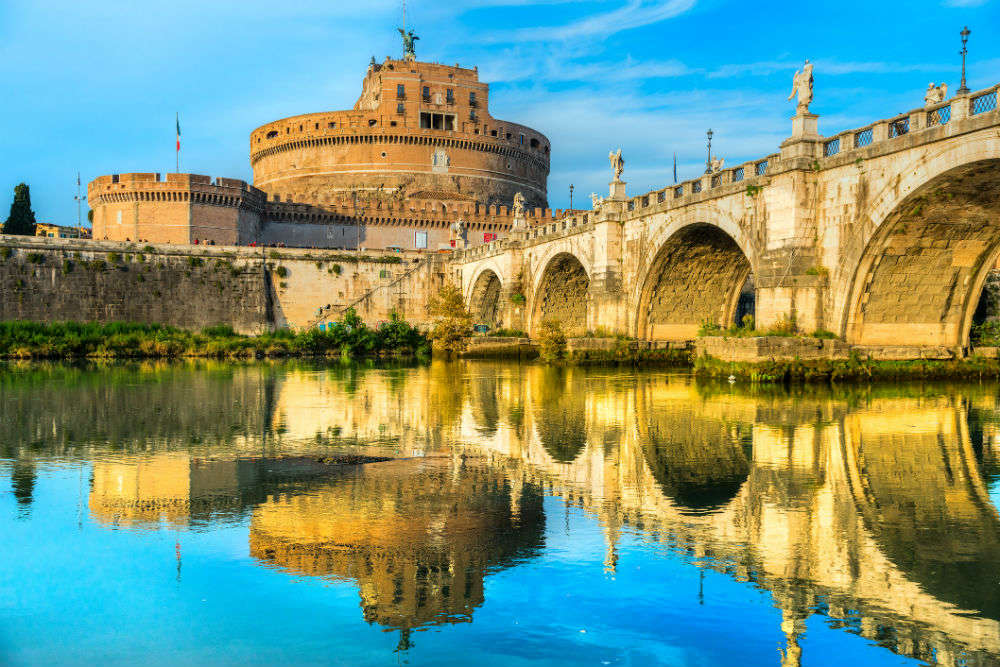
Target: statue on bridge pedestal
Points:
(458, 233)
(518, 212)
(617, 164)
(802, 85)
(717, 164)
(935, 94)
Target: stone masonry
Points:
(883, 235)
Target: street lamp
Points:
(708, 161)
(964, 89)
(571, 197)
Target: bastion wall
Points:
(251, 289)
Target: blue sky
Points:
(93, 86)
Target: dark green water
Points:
(198, 514)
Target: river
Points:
(492, 514)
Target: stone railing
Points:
(711, 185)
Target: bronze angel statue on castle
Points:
(409, 53)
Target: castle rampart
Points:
(180, 208)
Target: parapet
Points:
(174, 187)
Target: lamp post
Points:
(708, 161)
(964, 89)
(571, 197)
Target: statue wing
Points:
(401, 31)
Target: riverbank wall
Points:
(254, 290)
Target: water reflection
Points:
(419, 537)
(870, 508)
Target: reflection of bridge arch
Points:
(561, 292)
(700, 464)
(934, 234)
(695, 273)
(923, 501)
(484, 299)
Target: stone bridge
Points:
(883, 235)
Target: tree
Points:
(452, 323)
(22, 218)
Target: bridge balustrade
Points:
(939, 116)
(761, 168)
(737, 174)
(678, 192)
(716, 180)
(863, 137)
(696, 187)
(898, 127)
(984, 103)
(831, 147)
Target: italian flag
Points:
(178, 133)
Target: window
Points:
(450, 96)
(317, 126)
(400, 92)
(401, 108)
(119, 217)
(427, 94)
(437, 121)
(534, 144)
(493, 133)
(521, 141)
(372, 122)
(420, 240)
(472, 100)
(331, 125)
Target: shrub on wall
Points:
(281, 272)
(35, 257)
(5, 253)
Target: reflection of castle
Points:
(419, 537)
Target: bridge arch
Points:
(561, 292)
(484, 302)
(934, 236)
(695, 273)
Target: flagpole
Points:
(177, 166)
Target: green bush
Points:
(194, 261)
(337, 269)
(281, 271)
(35, 257)
(451, 322)
(348, 337)
(551, 341)
(5, 252)
(114, 257)
(67, 266)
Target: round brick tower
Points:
(420, 134)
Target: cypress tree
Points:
(22, 218)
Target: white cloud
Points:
(635, 14)
(965, 3)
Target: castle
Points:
(418, 163)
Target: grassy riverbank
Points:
(349, 338)
(848, 370)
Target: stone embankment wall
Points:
(252, 289)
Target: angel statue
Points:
(618, 164)
(935, 94)
(802, 84)
(519, 205)
(408, 39)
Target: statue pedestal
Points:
(617, 191)
(805, 141)
(805, 126)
